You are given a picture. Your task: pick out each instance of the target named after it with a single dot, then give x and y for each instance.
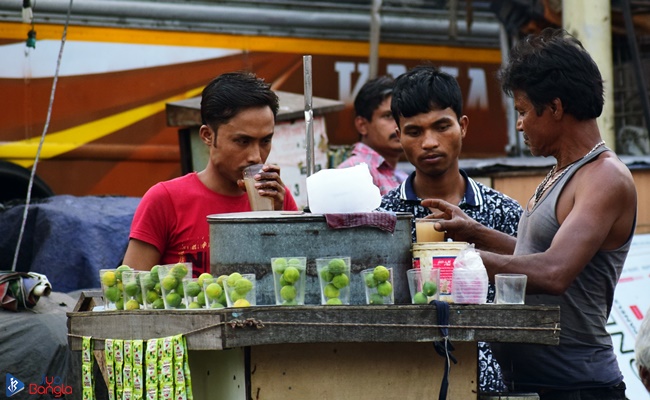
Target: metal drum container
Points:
(246, 242)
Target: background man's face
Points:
(379, 133)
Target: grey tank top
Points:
(585, 357)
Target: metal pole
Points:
(375, 29)
(513, 148)
(590, 21)
(453, 19)
(309, 114)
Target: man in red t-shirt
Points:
(170, 225)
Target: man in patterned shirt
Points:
(379, 145)
(427, 104)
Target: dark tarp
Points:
(68, 239)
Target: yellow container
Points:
(438, 255)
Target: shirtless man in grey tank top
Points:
(575, 233)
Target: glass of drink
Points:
(258, 203)
(425, 232)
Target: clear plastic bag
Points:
(470, 279)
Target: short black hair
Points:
(371, 95)
(423, 89)
(554, 64)
(230, 93)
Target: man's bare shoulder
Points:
(608, 168)
(605, 185)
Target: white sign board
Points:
(290, 153)
(631, 303)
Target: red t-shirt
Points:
(172, 217)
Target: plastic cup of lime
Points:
(240, 287)
(334, 279)
(289, 280)
(378, 284)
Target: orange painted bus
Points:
(122, 62)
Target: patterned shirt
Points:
(487, 206)
(384, 176)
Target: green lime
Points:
(131, 289)
(119, 304)
(420, 298)
(334, 302)
(330, 291)
(179, 271)
(180, 289)
(429, 288)
(112, 294)
(243, 286)
(192, 289)
(326, 275)
(120, 269)
(216, 305)
(288, 292)
(222, 299)
(221, 279)
(204, 278)
(381, 273)
(109, 278)
(234, 296)
(376, 298)
(169, 283)
(200, 298)
(213, 291)
(370, 280)
(282, 282)
(279, 265)
(336, 266)
(233, 278)
(154, 273)
(138, 297)
(132, 305)
(173, 300)
(384, 289)
(341, 281)
(291, 275)
(158, 304)
(152, 296)
(146, 279)
(294, 262)
(290, 303)
(194, 305)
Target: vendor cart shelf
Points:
(333, 352)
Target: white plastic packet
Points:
(345, 190)
(470, 279)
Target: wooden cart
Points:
(322, 352)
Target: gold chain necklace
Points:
(551, 178)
